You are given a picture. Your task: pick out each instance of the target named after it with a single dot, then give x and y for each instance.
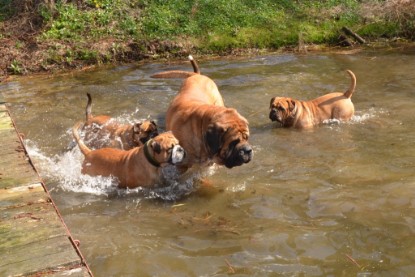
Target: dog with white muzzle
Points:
(138, 167)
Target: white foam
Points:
(238, 188)
(65, 170)
(360, 117)
(333, 121)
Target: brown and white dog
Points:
(305, 114)
(140, 166)
(208, 131)
(103, 131)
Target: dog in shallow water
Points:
(207, 130)
(140, 166)
(305, 114)
(103, 131)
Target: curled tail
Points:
(84, 149)
(88, 113)
(352, 87)
(194, 65)
(179, 73)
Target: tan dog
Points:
(208, 131)
(305, 114)
(103, 131)
(140, 166)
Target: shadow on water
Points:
(334, 200)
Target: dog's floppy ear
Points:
(271, 102)
(213, 137)
(292, 106)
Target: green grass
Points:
(6, 9)
(212, 25)
(380, 29)
(97, 31)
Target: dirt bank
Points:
(44, 36)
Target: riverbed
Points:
(335, 200)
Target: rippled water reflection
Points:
(336, 200)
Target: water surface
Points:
(337, 200)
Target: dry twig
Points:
(353, 261)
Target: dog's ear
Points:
(156, 147)
(213, 137)
(154, 123)
(271, 102)
(292, 106)
(136, 127)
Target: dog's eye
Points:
(281, 108)
(234, 143)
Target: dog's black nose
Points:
(239, 156)
(273, 114)
(181, 151)
(246, 153)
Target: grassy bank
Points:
(47, 35)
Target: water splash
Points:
(363, 116)
(65, 170)
(332, 121)
(358, 118)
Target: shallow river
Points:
(337, 200)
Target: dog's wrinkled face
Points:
(282, 110)
(227, 140)
(143, 131)
(166, 149)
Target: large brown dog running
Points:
(207, 130)
(140, 166)
(305, 114)
(103, 131)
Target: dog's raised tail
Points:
(179, 73)
(84, 149)
(352, 87)
(195, 66)
(88, 113)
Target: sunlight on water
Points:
(335, 200)
(238, 187)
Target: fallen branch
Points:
(344, 41)
(349, 32)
